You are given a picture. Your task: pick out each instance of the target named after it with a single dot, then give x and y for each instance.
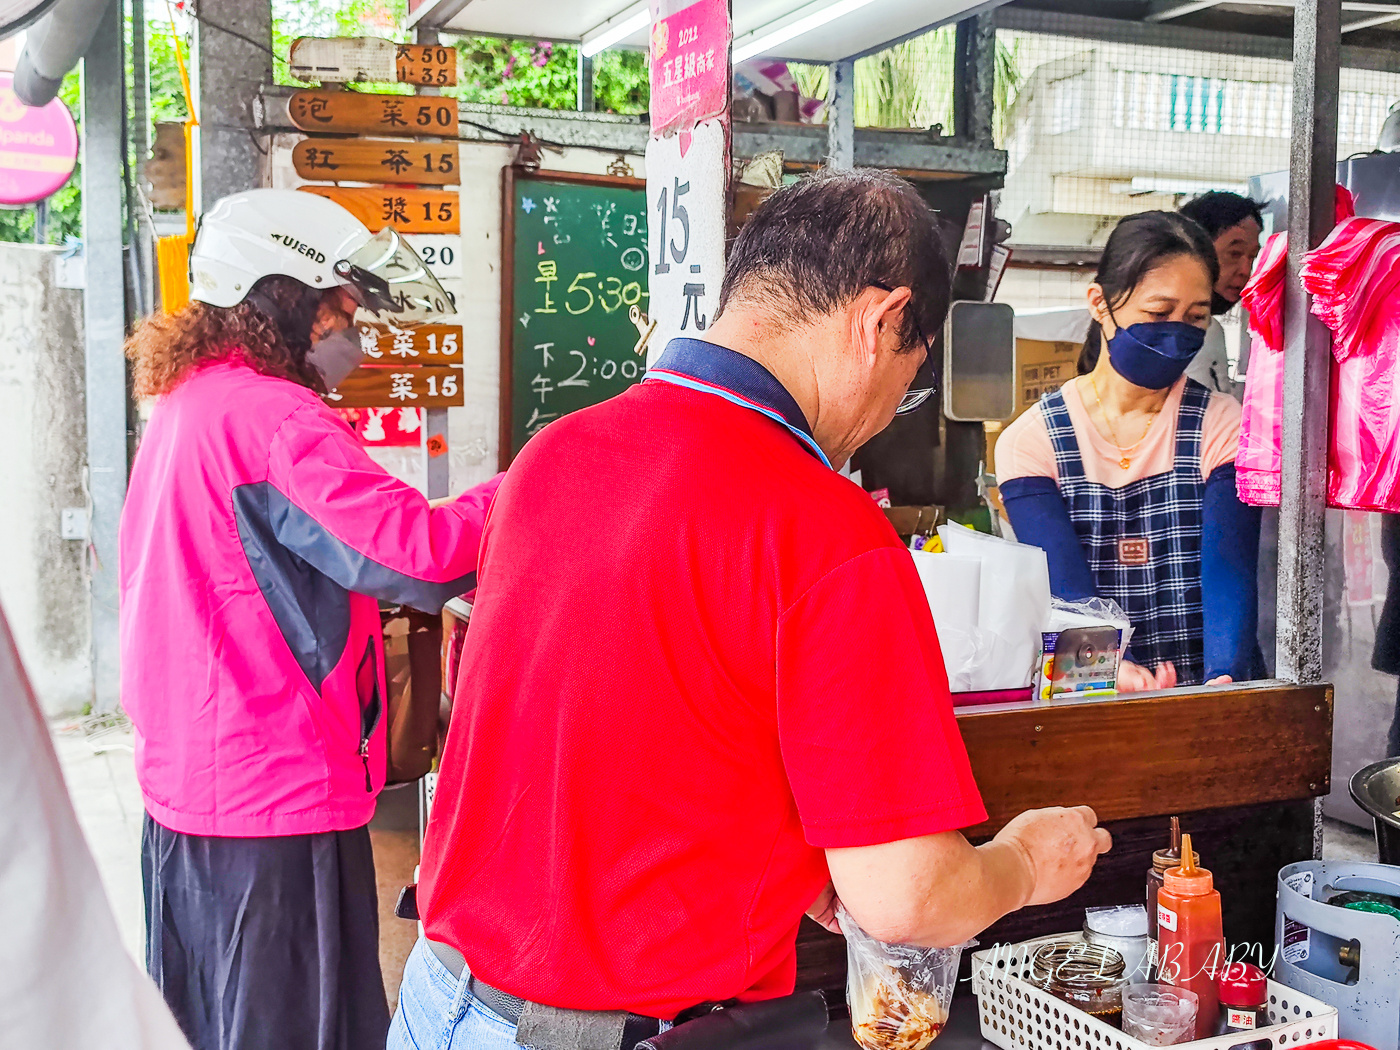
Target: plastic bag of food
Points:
(898, 993)
(1082, 647)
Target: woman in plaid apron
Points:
(1125, 475)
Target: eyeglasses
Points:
(914, 399)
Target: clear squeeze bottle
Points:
(1190, 943)
(1162, 859)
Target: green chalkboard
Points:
(575, 254)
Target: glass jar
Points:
(1087, 976)
(1125, 931)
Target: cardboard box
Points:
(1042, 366)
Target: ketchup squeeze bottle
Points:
(1190, 943)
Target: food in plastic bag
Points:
(1082, 647)
(898, 993)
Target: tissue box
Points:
(1080, 660)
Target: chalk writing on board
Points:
(580, 266)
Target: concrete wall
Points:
(43, 436)
(1088, 132)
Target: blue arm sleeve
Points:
(1229, 580)
(1040, 517)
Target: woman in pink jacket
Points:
(256, 539)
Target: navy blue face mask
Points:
(1153, 354)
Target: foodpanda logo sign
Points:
(301, 247)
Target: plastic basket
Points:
(1016, 1015)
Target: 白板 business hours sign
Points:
(38, 147)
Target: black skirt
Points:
(266, 943)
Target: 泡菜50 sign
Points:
(363, 113)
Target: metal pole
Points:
(1307, 342)
(437, 478)
(437, 471)
(143, 243)
(585, 83)
(104, 307)
(964, 79)
(841, 115)
(982, 32)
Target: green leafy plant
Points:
(910, 85)
(517, 73)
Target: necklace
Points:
(1125, 454)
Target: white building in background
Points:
(1099, 131)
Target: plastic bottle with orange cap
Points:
(1190, 941)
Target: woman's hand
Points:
(1134, 678)
(1222, 680)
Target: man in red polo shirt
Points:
(702, 693)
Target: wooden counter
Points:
(1241, 765)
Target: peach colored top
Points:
(1024, 449)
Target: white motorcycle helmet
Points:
(250, 235)
(258, 233)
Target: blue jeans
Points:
(436, 1012)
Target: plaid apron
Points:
(1143, 541)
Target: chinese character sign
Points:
(686, 208)
(579, 278)
(689, 63)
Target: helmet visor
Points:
(388, 279)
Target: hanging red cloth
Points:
(1258, 462)
(1354, 279)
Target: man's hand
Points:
(823, 909)
(1059, 847)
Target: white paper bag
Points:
(953, 585)
(1013, 605)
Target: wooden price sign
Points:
(429, 344)
(408, 211)
(427, 65)
(379, 386)
(374, 160)
(372, 60)
(367, 114)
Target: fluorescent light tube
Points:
(619, 27)
(819, 14)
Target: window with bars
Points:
(1147, 101)
(1065, 98)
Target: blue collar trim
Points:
(714, 369)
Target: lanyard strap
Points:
(662, 375)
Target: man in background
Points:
(1235, 224)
